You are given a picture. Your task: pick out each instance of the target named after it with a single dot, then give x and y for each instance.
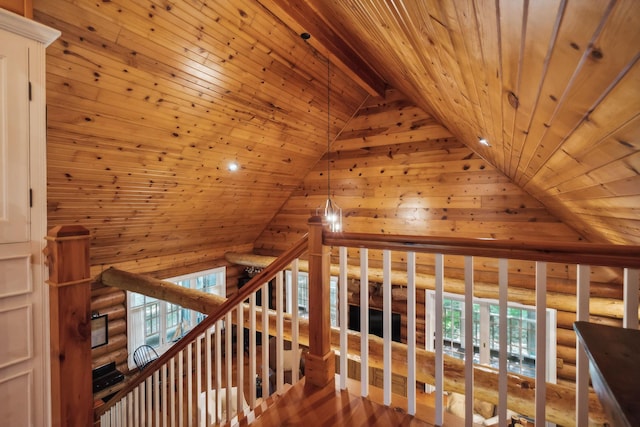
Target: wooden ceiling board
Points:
(149, 100)
(608, 137)
(557, 111)
(539, 33)
(511, 20)
(529, 76)
(595, 76)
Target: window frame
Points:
(483, 351)
(186, 318)
(303, 291)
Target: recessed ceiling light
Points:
(484, 142)
(233, 166)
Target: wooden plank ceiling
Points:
(150, 100)
(553, 85)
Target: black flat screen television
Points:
(375, 322)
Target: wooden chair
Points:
(144, 355)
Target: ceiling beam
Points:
(302, 18)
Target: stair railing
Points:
(192, 385)
(556, 403)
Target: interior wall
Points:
(394, 170)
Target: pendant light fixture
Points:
(332, 212)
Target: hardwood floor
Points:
(306, 405)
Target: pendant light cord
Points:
(328, 130)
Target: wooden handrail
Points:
(572, 253)
(243, 293)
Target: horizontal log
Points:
(107, 300)
(116, 343)
(567, 372)
(115, 312)
(117, 326)
(98, 289)
(119, 356)
(565, 320)
(566, 337)
(566, 353)
(167, 291)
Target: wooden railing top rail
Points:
(571, 253)
(243, 293)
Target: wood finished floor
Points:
(307, 406)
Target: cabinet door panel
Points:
(14, 139)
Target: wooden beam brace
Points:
(162, 290)
(302, 17)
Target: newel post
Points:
(320, 362)
(69, 282)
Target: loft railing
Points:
(556, 403)
(193, 383)
(533, 397)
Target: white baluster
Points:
(265, 341)
(342, 283)
(386, 325)
(364, 322)
(468, 339)
(228, 361)
(503, 282)
(217, 380)
(171, 389)
(180, 386)
(411, 333)
(630, 291)
(156, 395)
(201, 420)
(279, 330)
(439, 359)
(240, 358)
(295, 265)
(190, 384)
(582, 361)
(252, 349)
(541, 342)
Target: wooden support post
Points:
(70, 314)
(320, 362)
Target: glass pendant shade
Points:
(333, 215)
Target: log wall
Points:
(394, 170)
(112, 301)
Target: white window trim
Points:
(333, 295)
(133, 313)
(551, 332)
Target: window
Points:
(303, 296)
(521, 333)
(160, 323)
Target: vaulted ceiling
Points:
(553, 86)
(149, 100)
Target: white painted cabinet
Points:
(24, 305)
